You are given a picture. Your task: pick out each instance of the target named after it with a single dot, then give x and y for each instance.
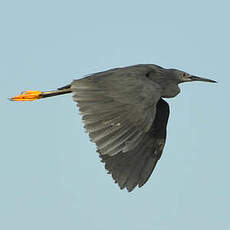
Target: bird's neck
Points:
(170, 90)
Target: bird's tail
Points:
(34, 95)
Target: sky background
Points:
(50, 173)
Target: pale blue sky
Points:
(50, 174)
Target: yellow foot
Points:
(27, 96)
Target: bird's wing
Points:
(135, 167)
(118, 110)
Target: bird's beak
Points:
(195, 78)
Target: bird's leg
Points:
(35, 95)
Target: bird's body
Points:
(125, 115)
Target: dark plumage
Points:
(135, 167)
(125, 115)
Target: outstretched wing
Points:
(118, 110)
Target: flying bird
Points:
(124, 112)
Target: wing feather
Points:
(117, 109)
(127, 119)
(136, 166)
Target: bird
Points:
(125, 115)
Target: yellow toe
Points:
(27, 96)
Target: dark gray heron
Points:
(125, 115)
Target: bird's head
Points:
(181, 76)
